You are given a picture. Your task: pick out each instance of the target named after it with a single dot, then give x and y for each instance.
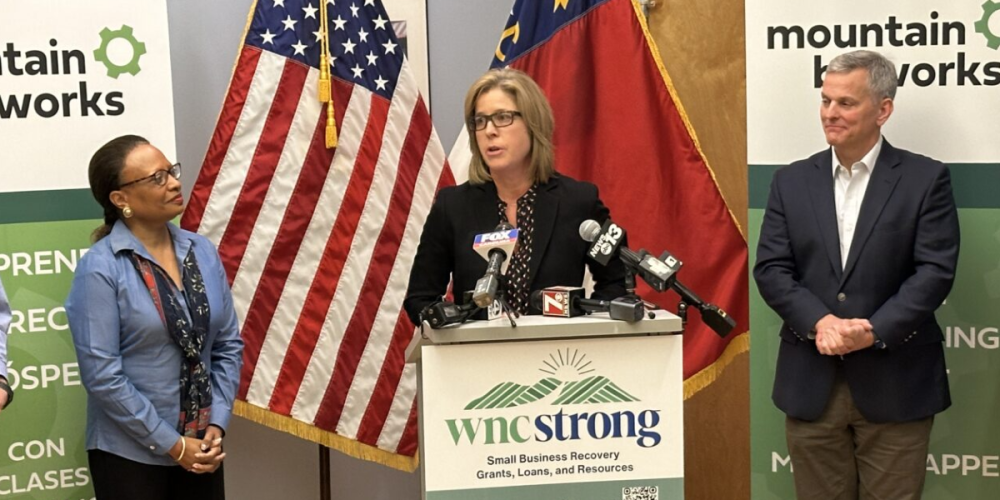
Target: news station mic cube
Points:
(560, 301)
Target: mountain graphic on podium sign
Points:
(594, 389)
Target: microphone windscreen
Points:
(589, 229)
(536, 300)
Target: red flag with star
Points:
(620, 125)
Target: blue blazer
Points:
(900, 269)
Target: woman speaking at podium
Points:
(512, 179)
(155, 333)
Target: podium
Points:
(556, 408)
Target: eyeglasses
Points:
(499, 119)
(159, 177)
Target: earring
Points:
(127, 212)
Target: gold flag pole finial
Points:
(325, 83)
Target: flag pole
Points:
(325, 97)
(324, 473)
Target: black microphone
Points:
(711, 314)
(660, 274)
(444, 313)
(607, 242)
(496, 248)
(568, 302)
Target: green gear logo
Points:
(138, 49)
(983, 25)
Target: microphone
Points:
(496, 248)
(493, 311)
(569, 302)
(607, 241)
(562, 301)
(444, 313)
(711, 314)
(660, 274)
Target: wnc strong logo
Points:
(592, 389)
(571, 383)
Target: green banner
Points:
(41, 433)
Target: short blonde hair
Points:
(535, 111)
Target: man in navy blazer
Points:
(858, 248)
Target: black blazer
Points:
(900, 269)
(558, 253)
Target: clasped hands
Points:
(200, 455)
(837, 336)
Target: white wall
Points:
(204, 38)
(463, 34)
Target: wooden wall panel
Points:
(702, 46)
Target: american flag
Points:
(318, 242)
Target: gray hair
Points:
(882, 79)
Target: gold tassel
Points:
(325, 78)
(331, 126)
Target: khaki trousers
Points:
(842, 456)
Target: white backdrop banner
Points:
(73, 75)
(945, 53)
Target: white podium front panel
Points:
(569, 418)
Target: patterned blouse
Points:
(518, 271)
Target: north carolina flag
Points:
(620, 125)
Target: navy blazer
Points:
(899, 270)
(558, 253)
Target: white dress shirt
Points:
(849, 186)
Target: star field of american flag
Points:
(363, 47)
